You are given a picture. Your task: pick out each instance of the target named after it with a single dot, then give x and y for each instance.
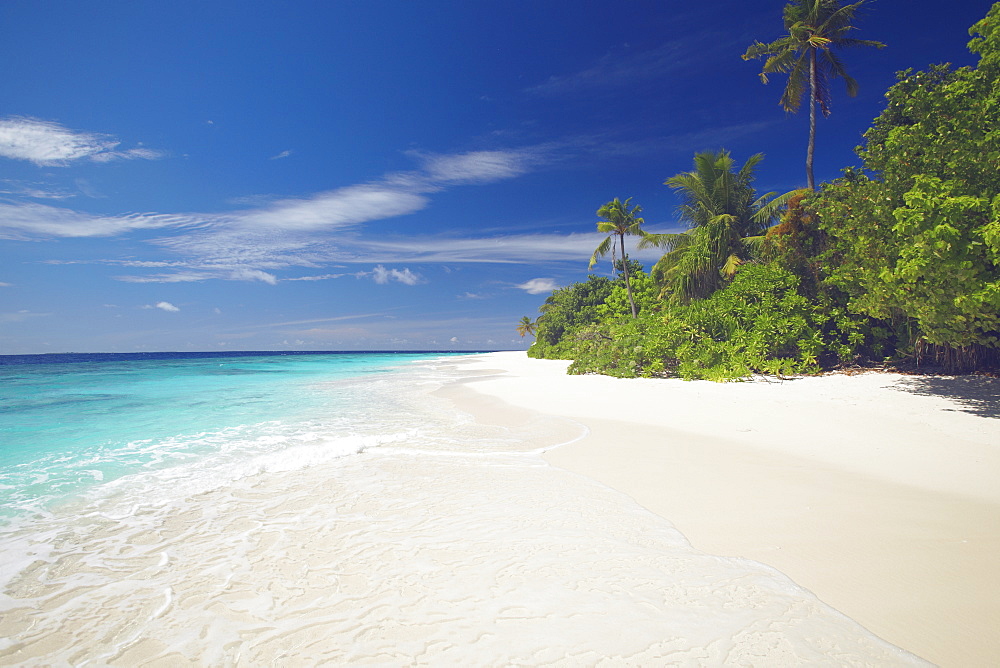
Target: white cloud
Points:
(163, 306)
(283, 154)
(538, 286)
(178, 277)
(34, 190)
(265, 231)
(247, 274)
(254, 243)
(49, 144)
(454, 339)
(6, 285)
(381, 275)
(322, 277)
(332, 209)
(131, 154)
(513, 249)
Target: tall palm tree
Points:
(527, 326)
(815, 28)
(620, 221)
(726, 218)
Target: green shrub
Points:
(758, 324)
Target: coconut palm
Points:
(621, 221)
(727, 220)
(527, 326)
(815, 28)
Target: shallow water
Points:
(365, 520)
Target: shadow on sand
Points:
(979, 395)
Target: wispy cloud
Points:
(21, 316)
(29, 220)
(396, 194)
(33, 190)
(315, 232)
(177, 277)
(512, 249)
(46, 143)
(620, 69)
(476, 166)
(332, 209)
(538, 286)
(292, 323)
(224, 263)
(321, 277)
(249, 243)
(283, 154)
(248, 274)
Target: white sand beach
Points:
(880, 493)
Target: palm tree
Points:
(527, 326)
(726, 218)
(621, 221)
(815, 28)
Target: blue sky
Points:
(374, 174)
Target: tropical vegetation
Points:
(895, 262)
(620, 220)
(726, 220)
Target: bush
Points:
(758, 324)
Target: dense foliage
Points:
(897, 260)
(726, 218)
(918, 241)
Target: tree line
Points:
(897, 261)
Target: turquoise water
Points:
(71, 423)
(338, 509)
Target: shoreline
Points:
(876, 494)
(441, 539)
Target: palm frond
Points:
(731, 265)
(601, 250)
(665, 240)
(766, 212)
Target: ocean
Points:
(337, 508)
(74, 424)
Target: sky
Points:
(376, 174)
